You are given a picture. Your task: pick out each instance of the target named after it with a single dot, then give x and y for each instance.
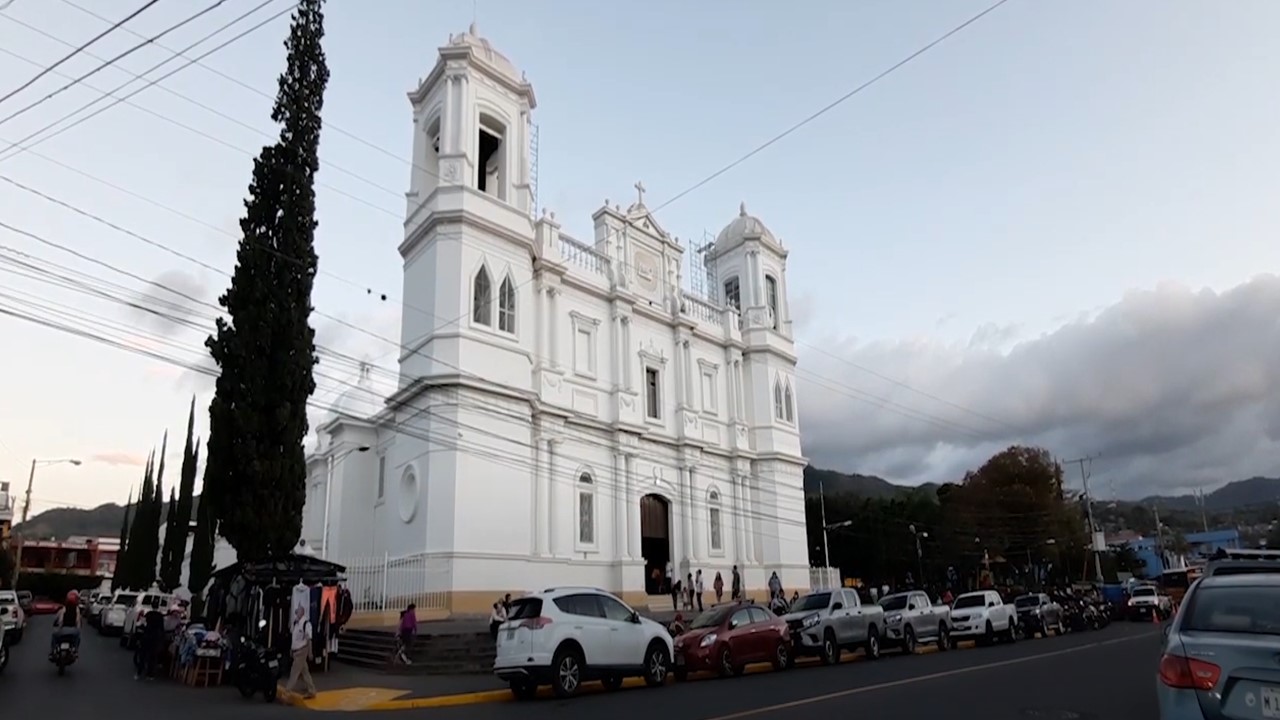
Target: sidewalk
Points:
(346, 687)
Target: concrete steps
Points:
(442, 654)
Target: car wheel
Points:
(830, 650)
(656, 663)
(990, 635)
(944, 637)
(611, 682)
(4, 655)
(782, 656)
(873, 644)
(727, 667)
(908, 641)
(524, 689)
(566, 669)
(1012, 633)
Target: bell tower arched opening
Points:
(491, 157)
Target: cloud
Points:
(118, 458)
(1173, 387)
(174, 300)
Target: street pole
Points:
(1159, 538)
(26, 505)
(1204, 517)
(328, 501)
(31, 479)
(1093, 528)
(822, 501)
(919, 562)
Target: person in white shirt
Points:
(300, 646)
(698, 589)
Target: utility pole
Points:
(26, 502)
(1159, 537)
(1204, 517)
(1086, 468)
(826, 552)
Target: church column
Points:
(679, 379)
(448, 126)
(628, 367)
(689, 387)
(633, 510)
(556, 516)
(539, 326)
(543, 519)
(697, 521)
(753, 522)
(739, 543)
(553, 329)
(621, 499)
(686, 507)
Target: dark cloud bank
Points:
(1174, 388)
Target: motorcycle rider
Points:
(66, 624)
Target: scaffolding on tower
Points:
(702, 269)
(533, 170)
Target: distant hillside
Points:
(1252, 492)
(61, 523)
(869, 486)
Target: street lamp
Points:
(31, 478)
(919, 552)
(826, 559)
(328, 494)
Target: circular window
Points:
(408, 494)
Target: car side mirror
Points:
(837, 606)
(911, 606)
(991, 604)
(1165, 631)
(733, 624)
(635, 617)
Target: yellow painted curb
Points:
(371, 699)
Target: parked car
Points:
(1038, 613)
(728, 637)
(12, 618)
(911, 618)
(828, 622)
(566, 636)
(111, 618)
(131, 631)
(1220, 650)
(983, 616)
(93, 609)
(1147, 600)
(45, 606)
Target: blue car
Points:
(1222, 651)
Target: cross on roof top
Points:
(639, 192)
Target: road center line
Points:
(922, 678)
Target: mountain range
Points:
(104, 520)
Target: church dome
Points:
(359, 401)
(483, 50)
(742, 228)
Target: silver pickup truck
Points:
(911, 618)
(827, 622)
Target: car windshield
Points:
(894, 602)
(1027, 601)
(125, 599)
(1249, 610)
(1144, 591)
(970, 601)
(812, 601)
(711, 618)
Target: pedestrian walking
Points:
(736, 589)
(718, 586)
(698, 589)
(300, 647)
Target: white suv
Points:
(565, 636)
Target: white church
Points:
(566, 413)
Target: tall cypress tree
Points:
(122, 553)
(171, 566)
(134, 571)
(255, 475)
(202, 543)
(180, 516)
(150, 553)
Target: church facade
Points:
(566, 413)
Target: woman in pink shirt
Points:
(408, 629)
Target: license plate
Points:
(65, 646)
(1270, 702)
(273, 664)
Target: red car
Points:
(727, 638)
(44, 606)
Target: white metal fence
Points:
(386, 583)
(821, 578)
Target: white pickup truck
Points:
(983, 616)
(826, 622)
(911, 618)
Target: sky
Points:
(1055, 227)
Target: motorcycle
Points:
(64, 655)
(257, 668)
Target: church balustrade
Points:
(701, 310)
(583, 256)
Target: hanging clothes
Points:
(346, 607)
(301, 598)
(329, 602)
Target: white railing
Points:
(821, 578)
(583, 256)
(702, 310)
(382, 584)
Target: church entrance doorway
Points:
(655, 542)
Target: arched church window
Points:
(733, 294)
(507, 306)
(715, 522)
(586, 510)
(777, 399)
(482, 298)
(789, 402)
(771, 296)
(491, 170)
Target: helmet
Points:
(73, 598)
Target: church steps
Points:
(444, 653)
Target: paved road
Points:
(1094, 676)
(1103, 675)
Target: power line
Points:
(75, 52)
